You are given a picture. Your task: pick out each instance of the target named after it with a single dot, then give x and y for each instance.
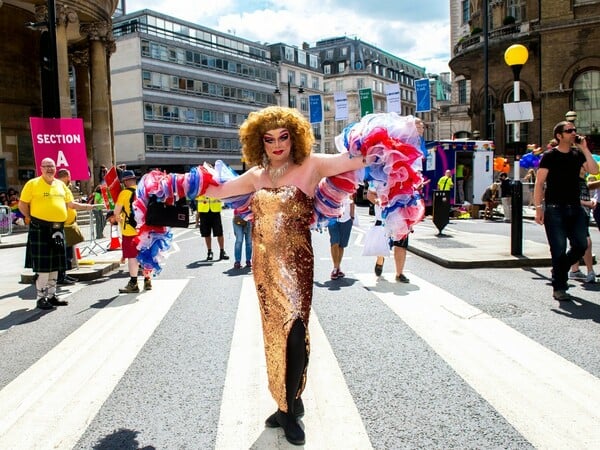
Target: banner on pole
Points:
(392, 93)
(315, 108)
(341, 105)
(366, 101)
(423, 95)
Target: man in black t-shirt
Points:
(562, 215)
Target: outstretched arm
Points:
(244, 184)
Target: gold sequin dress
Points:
(283, 273)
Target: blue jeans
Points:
(242, 233)
(564, 223)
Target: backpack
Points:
(131, 217)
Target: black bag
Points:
(160, 214)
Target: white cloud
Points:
(419, 34)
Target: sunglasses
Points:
(570, 130)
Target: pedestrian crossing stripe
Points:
(552, 402)
(51, 404)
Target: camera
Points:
(579, 139)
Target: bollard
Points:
(441, 209)
(516, 219)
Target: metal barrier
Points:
(97, 221)
(5, 221)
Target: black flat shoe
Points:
(43, 303)
(293, 432)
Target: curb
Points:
(96, 271)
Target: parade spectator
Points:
(64, 175)
(124, 215)
(506, 190)
(593, 184)
(242, 229)
(490, 200)
(44, 202)
(398, 246)
(529, 179)
(209, 220)
(339, 235)
(588, 204)
(557, 185)
(3, 199)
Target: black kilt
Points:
(42, 253)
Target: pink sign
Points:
(63, 141)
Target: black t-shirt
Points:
(562, 182)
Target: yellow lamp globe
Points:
(516, 55)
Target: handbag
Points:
(376, 242)
(239, 221)
(73, 235)
(160, 214)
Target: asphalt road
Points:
(480, 359)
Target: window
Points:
(327, 69)
(288, 53)
(466, 14)
(462, 92)
(341, 67)
(586, 102)
(517, 9)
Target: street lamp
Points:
(516, 56)
(289, 93)
(571, 116)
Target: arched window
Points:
(586, 102)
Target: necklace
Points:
(275, 174)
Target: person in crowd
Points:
(3, 199)
(242, 229)
(64, 175)
(593, 184)
(44, 203)
(529, 179)
(557, 186)
(445, 183)
(339, 236)
(588, 205)
(506, 195)
(460, 183)
(123, 214)
(398, 246)
(209, 219)
(490, 200)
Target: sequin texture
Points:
(283, 274)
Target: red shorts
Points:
(129, 247)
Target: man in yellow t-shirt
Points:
(44, 202)
(445, 183)
(209, 216)
(123, 213)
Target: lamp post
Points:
(571, 116)
(289, 93)
(516, 56)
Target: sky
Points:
(417, 31)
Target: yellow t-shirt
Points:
(206, 204)
(47, 201)
(124, 201)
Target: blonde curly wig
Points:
(271, 118)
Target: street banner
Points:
(341, 105)
(392, 93)
(316, 108)
(366, 101)
(423, 95)
(63, 141)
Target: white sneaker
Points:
(591, 277)
(577, 275)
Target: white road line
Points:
(331, 420)
(51, 404)
(552, 402)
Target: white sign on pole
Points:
(517, 112)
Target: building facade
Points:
(83, 48)
(180, 91)
(562, 73)
(349, 65)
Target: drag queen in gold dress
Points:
(277, 143)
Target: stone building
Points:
(83, 47)
(562, 73)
